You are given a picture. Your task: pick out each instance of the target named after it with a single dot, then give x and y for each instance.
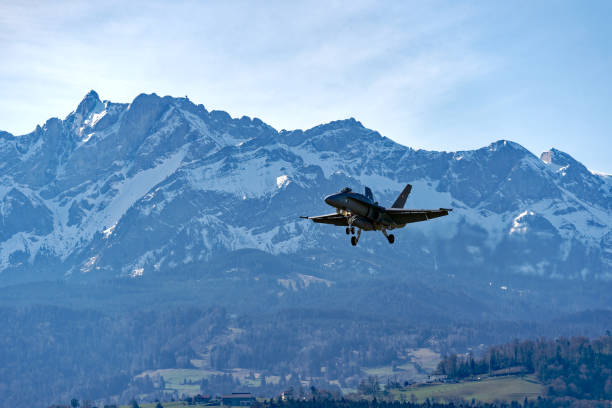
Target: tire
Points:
(353, 241)
(348, 231)
(391, 238)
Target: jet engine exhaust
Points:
(362, 223)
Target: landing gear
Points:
(348, 230)
(355, 239)
(390, 237)
(353, 230)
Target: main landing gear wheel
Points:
(355, 238)
(390, 237)
(348, 230)
(352, 230)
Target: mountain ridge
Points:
(78, 194)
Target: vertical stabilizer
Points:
(401, 200)
(368, 194)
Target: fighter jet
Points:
(361, 211)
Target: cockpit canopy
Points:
(346, 190)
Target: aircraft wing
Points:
(401, 216)
(334, 219)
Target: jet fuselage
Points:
(365, 213)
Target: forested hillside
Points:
(575, 367)
(51, 354)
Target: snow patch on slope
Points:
(19, 242)
(282, 181)
(302, 282)
(108, 209)
(246, 176)
(236, 237)
(519, 226)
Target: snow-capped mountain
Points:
(162, 185)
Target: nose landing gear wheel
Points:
(353, 241)
(391, 238)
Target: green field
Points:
(420, 362)
(187, 380)
(486, 390)
(175, 377)
(426, 358)
(379, 371)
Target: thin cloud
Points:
(285, 63)
(438, 75)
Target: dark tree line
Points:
(345, 403)
(574, 367)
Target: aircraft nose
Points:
(332, 200)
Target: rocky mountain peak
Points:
(506, 145)
(563, 164)
(88, 104)
(336, 125)
(557, 157)
(85, 116)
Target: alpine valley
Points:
(120, 210)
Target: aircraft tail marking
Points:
(401, 200)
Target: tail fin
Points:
(368, 193)
(401, 200)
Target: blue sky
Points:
(443, 75)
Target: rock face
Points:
(162, 185)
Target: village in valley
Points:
(407, 383)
